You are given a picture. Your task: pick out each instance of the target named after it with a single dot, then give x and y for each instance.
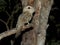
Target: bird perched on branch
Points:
(24, 19)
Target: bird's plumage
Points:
(25, 17)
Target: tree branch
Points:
(5, 24)
(12, 31)
(7, 33)
(7, 13)
(14, 11)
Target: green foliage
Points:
(53, 42)
(52, 17)
(2, 5)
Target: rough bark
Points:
(38, 34)
(46, 7)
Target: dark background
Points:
(53, 31)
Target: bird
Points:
(24, 19)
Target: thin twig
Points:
(7, 13)
(13, 13)
(11, 23)
(5, 24)
(9, 19)
(12, 42)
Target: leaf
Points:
(2, 5)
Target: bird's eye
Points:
(28, 7)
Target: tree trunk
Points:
(37, 35)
